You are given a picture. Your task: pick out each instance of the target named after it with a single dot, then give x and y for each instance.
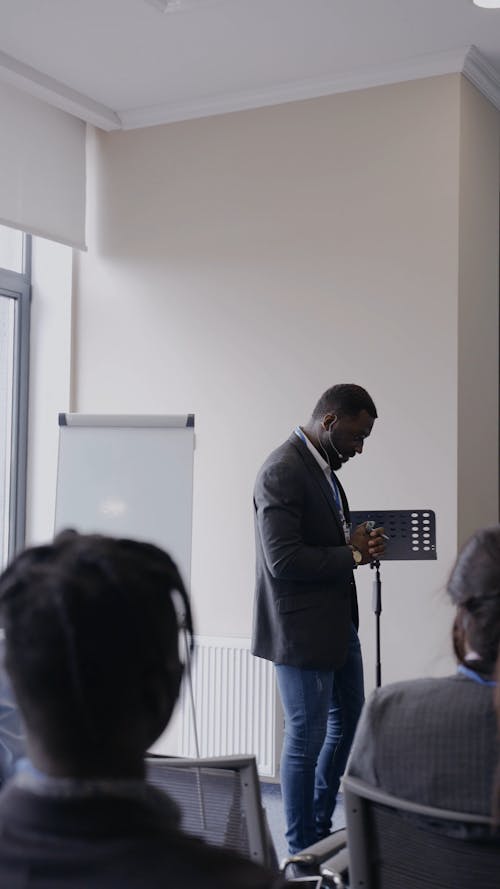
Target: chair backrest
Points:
(219, 798)
(396, 844)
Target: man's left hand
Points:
(376, 543)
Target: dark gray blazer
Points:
(305, 597)
(432, 741)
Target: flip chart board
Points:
(128, 476)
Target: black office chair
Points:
(395, 844)
(219, 798)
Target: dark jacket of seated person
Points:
(109, 837)
(434, 741)
(92, 651)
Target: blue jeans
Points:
(322, 708)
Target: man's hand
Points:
(371, 544)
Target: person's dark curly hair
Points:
(89, 621)
(474, 587)
(344, 399)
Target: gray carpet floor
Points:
(273, 804)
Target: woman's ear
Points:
(458, 634)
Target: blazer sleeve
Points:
(279, 506)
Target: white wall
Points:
(50, 379)
(241, 264)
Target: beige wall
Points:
(238, 266)
(477, 314)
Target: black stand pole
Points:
(377, 610)
(411, 536)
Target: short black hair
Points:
(345, 399)
(474, 587)
(86, 618)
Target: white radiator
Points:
(236, 703)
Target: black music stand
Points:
(412, 537)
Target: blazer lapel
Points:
(345, 504)
(320, 478)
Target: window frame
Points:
(17, 286)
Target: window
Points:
(15, 276)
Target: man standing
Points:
(306, 613)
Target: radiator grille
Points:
(236, 705)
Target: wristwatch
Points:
(357, 556)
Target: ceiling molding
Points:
(467, 60)
(28, 79)
(482, 75)
(431, 65)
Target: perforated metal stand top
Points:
(411, 532)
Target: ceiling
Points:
(125, 63)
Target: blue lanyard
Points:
(336, 494)
(471, 674)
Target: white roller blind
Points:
(42, 168)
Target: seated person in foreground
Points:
(434, 741)
(92, 653)
(496, 789)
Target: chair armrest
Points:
(311, 858)
(335, 871)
